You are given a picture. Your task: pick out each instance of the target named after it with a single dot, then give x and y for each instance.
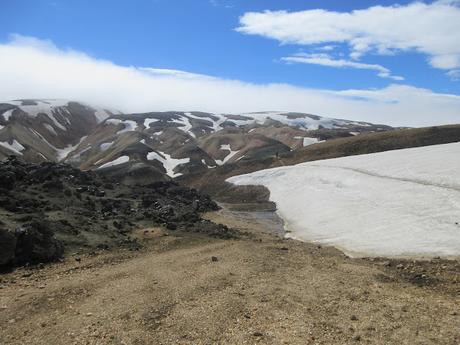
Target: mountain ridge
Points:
(163, 145)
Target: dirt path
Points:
(257, 290)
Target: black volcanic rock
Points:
(36, 243)
(54, 207)
(7, 247)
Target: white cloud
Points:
(32, 68)
(432, 29)
(454, 74)
(221, 3)
(163, 72)
(326, 60)
(326, 48)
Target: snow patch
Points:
(129, 125)
(47, 107)
(218, 124)
(50, 128)
(101, 115)
(228, 156)
(209, 118)
(105, 146)
(119, 160)
(307, 141)
(62, 154)
(147, 122)
(76, 157)
(303, 121)
(7, 114)
(16, 147)
(209, 167)
(395, 203)
(168, 162)
(185, 125)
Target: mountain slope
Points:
(45, 130)
(158, 145)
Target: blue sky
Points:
(200, 36)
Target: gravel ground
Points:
(260, 289)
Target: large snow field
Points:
(403, 203)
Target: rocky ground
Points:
(188, 288)
(48, 209)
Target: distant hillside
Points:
(155, 146)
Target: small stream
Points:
(267, 220)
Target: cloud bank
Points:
(33, 68)
(431, 29)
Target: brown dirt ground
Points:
(260, 289)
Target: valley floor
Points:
(261, 289)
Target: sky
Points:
(395, 63)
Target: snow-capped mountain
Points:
(45, 130)
(159, 145)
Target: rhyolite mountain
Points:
(155, 146)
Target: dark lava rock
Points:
(7, 247)
(171, 226)
(32, 243)
(421, 280)
(36, 243)
(87, 208)
(212, 229)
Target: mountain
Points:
(45, 130)
(153, 146)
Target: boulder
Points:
(7, 247)
(36, 243)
